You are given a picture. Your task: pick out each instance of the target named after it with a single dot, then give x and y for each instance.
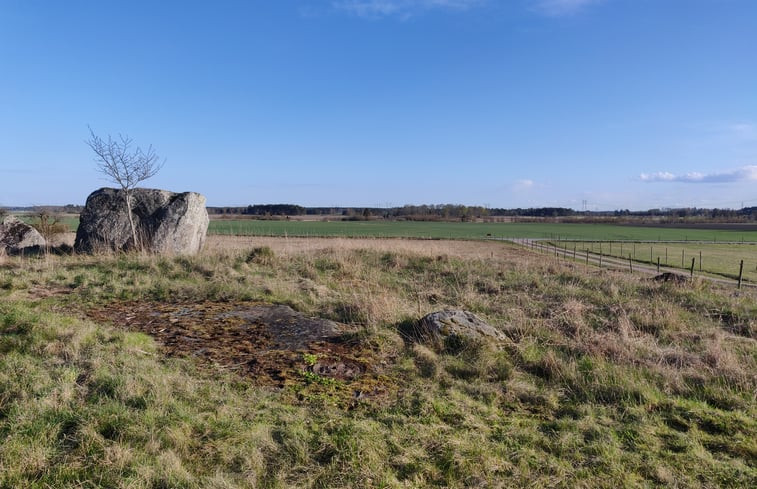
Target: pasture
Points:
(458, 230)
(472, 230)
(709, 258)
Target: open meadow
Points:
(720, 250)
(136, 371)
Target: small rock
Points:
(442, 326)
(671, 277)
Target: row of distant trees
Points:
(451, 211)
(447, 211)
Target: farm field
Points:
(470, 230)
(459, 230)
(139, 371)
(718, 259)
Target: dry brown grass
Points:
(606, 378)
(289, 246)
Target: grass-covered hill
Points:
(605, 380)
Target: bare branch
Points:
(125, 166)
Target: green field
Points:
(471, 230)
(459, 230)
(718, 259)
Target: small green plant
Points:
(310, 358)
(314, 378)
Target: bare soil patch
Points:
(271, 344)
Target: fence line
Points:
(601, 259)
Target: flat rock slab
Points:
(288, 329)
(267, 342)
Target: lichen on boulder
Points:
(166, 222)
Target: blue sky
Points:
(512, 103)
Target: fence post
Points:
(700, 260)
(574, 251)
(666, 256)
(587, 257)
(630, 263)
(741, 272)
(651, 260)
(692, 266)
(600, 259)
(658, 264)
(683, 254)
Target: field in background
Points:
(720, 250)
(459, 230)
(473, 230)
(717, 259)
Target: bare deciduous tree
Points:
(126, 166)
(50, 225)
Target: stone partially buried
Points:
(453, 326)
(166, 222)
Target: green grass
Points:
(458, 230)
(605, 380)
(470, 230)
(717, 259)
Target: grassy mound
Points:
(605, 380)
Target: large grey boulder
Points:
(166, 222)
(447, 328)
(16, 236)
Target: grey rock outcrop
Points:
(166, 222)
(454, 326)
(16, 236)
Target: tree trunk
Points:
(134, 241)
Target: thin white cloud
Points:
(523, 185)
(376, 9)
(744, 174)
(556, 8)
(743, 130)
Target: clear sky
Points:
(507, 103)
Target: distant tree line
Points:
(261, 210)
(62, 209)
(442, 212)
(462, 212)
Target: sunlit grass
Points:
(605, 379)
